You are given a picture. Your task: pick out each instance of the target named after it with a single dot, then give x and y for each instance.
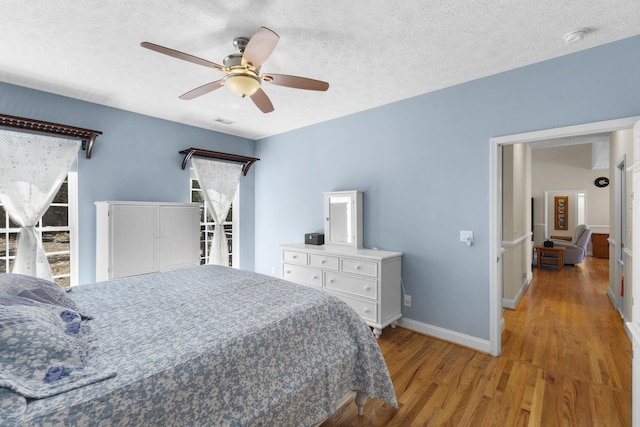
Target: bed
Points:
(201, 346)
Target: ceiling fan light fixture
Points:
(242, 84)
(242, 70)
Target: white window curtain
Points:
(219, 182)
(32, 169)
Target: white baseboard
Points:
(474, 343)
(513, 303)
(612, 297)
(632, 331)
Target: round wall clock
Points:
(602, 181)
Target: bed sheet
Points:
(212, 345)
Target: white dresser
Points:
(144, 237)
(369, 280)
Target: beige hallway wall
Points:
(568, 168)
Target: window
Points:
(56, 229)
(581, 208)
(207, 226)
(8, 241)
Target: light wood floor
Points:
(566, 361)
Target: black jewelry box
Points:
(314, 239)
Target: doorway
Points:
(577, 198)
(495, 226)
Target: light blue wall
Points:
(423, 165)
(136, 158)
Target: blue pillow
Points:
(45, 349)
(64, 318)
(37, 289)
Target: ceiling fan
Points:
(242, 69)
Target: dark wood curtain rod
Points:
(87, 136)
(198, 152)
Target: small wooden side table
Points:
(600, 245)
(557, 251)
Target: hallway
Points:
(567, 326)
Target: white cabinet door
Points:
(143, 237)
(134, 242)
(178, 246)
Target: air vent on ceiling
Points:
(223, 121)
(576, 35)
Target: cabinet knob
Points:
(357, 267)
(295, 256)
(323, 261)
(366, 310)
(332, 281)
(288, 271)
(315, 277)
(367, 288)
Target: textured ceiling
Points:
(371, 52)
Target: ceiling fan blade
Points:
(202, 90)
(260, 47)
(295, 82)
(181, 55)
(262, 101)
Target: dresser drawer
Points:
(367, 310)
(304, 275)
(352, 285)
(322, 261)
(293, 257)
(369, 281)
(360, 267)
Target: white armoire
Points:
(144, 237)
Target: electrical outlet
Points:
(407, 300)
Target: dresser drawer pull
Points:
(366, 310)
(367, 288)
(294, 256)
(358, 267)
(315, 277)
(324, 261)
(288, 271)
(332, 281)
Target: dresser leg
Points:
(394, 324)
(360, 399)
(377, 332)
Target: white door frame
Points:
(620, 222)
(495, 205)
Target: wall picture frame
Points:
(561, 209)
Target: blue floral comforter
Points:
(208, 346)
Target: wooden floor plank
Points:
(566, 361)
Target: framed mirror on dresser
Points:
(369, 280)
(343, 218)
